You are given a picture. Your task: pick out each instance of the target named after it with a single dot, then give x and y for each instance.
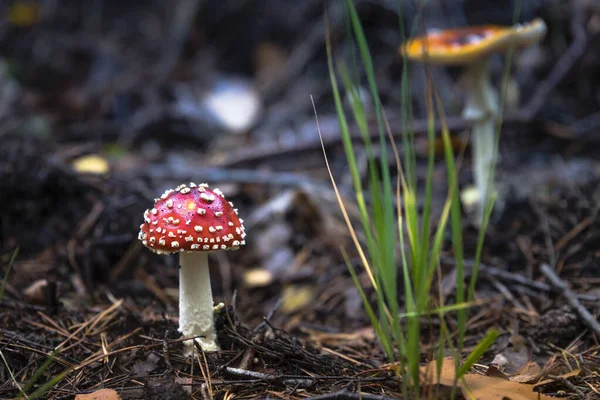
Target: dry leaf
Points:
(529, 373)
(258, 277)
(494, 372)
(360, 337)
(296, 297)
(102, 394)
(479, 387)
(24, 13)
(91, 164)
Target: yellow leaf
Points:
(258, 277)
(91, 164)
(102, 394)
(479, 387)
(23, 13)
(296, 297)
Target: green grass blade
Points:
(5, 279)
(478, 352)
(384, 338)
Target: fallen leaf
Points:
(258, 277)
(24, 13)
(494, 372)
(296, 297)
(479, 387)
(529, 373)
(102, 394)
(91, 164)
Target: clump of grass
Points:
(402, 242)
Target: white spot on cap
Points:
(169, 203)
(161, 241)
(185, 190)
(201, 211)
(219, 227)
(171, 234)
(208, 197)
(218, 213)
(198, 228)
(230, 223)
(212, 229)
(206, 247)
(189, 238)
(216, 247)
(174, 243)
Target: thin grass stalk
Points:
(11, 262)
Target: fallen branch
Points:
(588, 319)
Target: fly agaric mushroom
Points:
(193, 221)
(472, 47)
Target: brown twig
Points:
(568, 384)
(561, 67)
(346, 395)
(588, 319)
(244, 374)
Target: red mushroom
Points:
(193, 220)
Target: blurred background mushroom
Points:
(472, 47)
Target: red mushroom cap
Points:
(192, 218)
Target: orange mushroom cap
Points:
(467, 45)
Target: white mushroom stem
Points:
(482, 108)
(195, 301)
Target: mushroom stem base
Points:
(195, 301)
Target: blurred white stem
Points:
(482, 108)
(195, 301)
